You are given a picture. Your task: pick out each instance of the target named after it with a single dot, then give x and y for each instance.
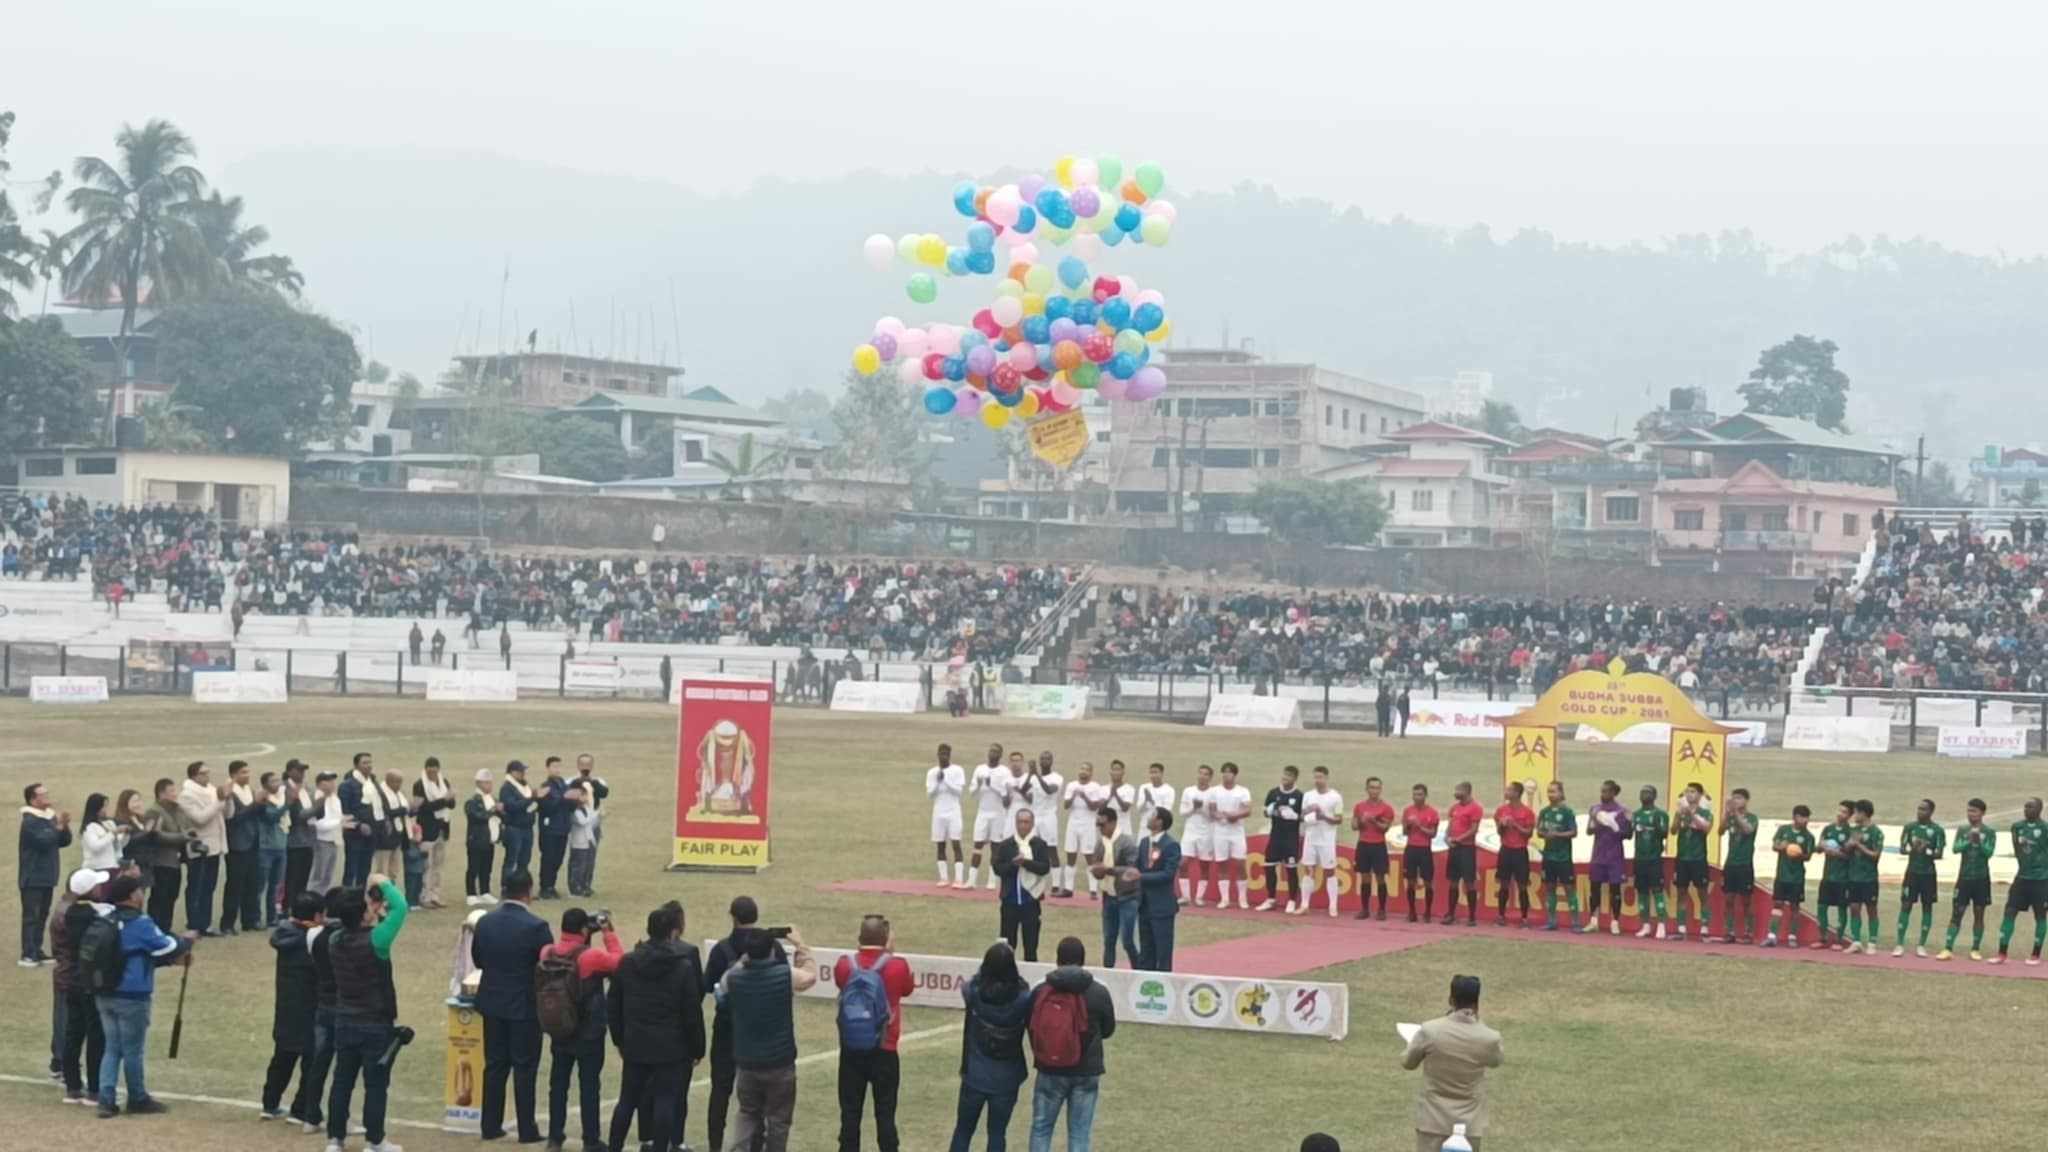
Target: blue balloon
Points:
(1123, 365)
(1044, 358)
(1051, 202)
(981, 263)
(1111, 237)
(963, 198)
(981, 236)
(956, 261)
(1116, 312)
(1148, 317)
(1064, 218)
(1001, 345)
(1056, 308)
(1073, 271)
(1027, 219)
(970, 340)
(939, 400)
(956, 368)
(1128, 217)
(1010, 399)
(1144, 355)
(1135, 235)
(1038, 328)
(1083, 312)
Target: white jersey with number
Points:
(1151, 796)
(990, 786)
(1319, 836)
(944, 785)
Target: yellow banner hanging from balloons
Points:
(1060, 440)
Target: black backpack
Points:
(997, 1042)
(101, 959)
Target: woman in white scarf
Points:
(99, 834)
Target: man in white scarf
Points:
(205, 810)
(362, 809)
(327, 818)
(393, 830)
(433, 805)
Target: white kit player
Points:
(1322, 811)
(1154, 793)
(1198, 848)
(1123, 798)
(1229, 804)
(1085, 796)
(944, 783)
(990, 788)
(1047, 789)
(1021, 784)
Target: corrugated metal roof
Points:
(686, 409)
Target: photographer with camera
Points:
(569, 995)
(366, 1032)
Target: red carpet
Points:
(1300, 944)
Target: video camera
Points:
(400, 1037)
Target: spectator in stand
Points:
(83, 1043)
(724, 954)
(1071, 1015)
(45, 833)
(124, 1012)
(872, 977)
(576, 1049)
(655, 1011)
(295, 999)
(507, 947)
(760, 992)
(992, 1066)
(365, 1007)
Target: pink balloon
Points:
(1025, 253)
(913, 342)
(1111, 387)
(1149, 296)
(1028, 188)
(1003, 205)
(1127, 287)
(945, 340)
(1148, 383)
(910, 371)
(1161, 208)
(889, 325)
(1065, 394)
(1007, 310)
(1088, 246)
(1085, 172)
(1023, 357)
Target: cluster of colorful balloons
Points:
(1054, 328)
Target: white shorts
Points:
(1081, 836)
(1318, 855)
(945, 826)
(1199, 845)
(1227, 840)
(991, 826)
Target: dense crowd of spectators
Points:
(883, 608)
(1957, 610)
(1360, 638)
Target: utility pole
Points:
(1202, 465)
(1180, 483)
(1920, 471)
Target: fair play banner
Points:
(722, 773)
(1300, 1008)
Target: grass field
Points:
(1607, 1049)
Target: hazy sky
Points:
(1610, 122)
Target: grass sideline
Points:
(1753, 1047)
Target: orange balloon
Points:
(977, 381)
(981, 201)
(1129, 190)
(1066, 355)
(1019, 270)
(1014, 334)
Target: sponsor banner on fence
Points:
(1045, 702)
(472, 686)
(591, 676)
(901, 697)
(1468, 718)
(1951, 712)
(1175, 999)
(722, 774)
(239, 687)
(1244, 710)
(1838, 733)
(2003, 742)
(67, 689)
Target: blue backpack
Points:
(863, 1007)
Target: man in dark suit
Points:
(1023, 867)
(1158, 865)
(506, 948)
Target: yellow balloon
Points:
(1028, 406)
(1063, 171)
(866, 360)
(995, 415)
(1034, 304)
(1010, 288)
(1057, 235)
(931, 249)
(1158, 335)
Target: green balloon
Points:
(1084, 374)
(1111, 172)
(922, 288)
(1150, 179)
(1129, 340)
(1155, 229)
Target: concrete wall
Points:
(572, 521)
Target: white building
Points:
(1439, 484)
(251, 490)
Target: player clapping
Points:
(1515, 822)
(944, 783)
(1370, 819)
(1229, 804)
(1322, 811)
(1084, 798)
(1418, 858)
(1153, 794)
(990, 786)
(1199, 852)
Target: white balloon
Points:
(1007, 310)
(1024, 253)
(1088, 246)
(879, 250)
(1085, 172)
(1127, 286)
(890, 325)
(1149, 296)
(1162, 208)
(1004, 205)
(910, 371)
(913, 344)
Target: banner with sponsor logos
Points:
(1838, 733)
(1697, 758)
(67, 689)
(1045, 702)
(899, 697)
(2003, 742)
(591, 676)
(722, 774)
(1245, 710)
(472, 686)
(239, 687)
(1302, 1008)
(1468, 718)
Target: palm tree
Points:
(51, 255)
(134, 229)
(17, 251)
(745, 468)
(1499, 418)
(232, 247)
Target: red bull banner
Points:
(722, 774)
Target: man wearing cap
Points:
(516, 812)
(81, 1034)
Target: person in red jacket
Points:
(582, 1055)
(877, 1068)
(1516, 822)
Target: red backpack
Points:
(1059, 1028)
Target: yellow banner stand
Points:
(1698, 758)
(462, 1090)
(1529, 756)
(1614, 701)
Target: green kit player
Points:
(1793, 844)
(1866, 845)
(1834, 875)
(1557, 824)
(1974, 843)
(2029, 890)
(1923, 842)
(1738, 869)
(1693, 821)
(1653, 827)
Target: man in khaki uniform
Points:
(1454, 1052)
